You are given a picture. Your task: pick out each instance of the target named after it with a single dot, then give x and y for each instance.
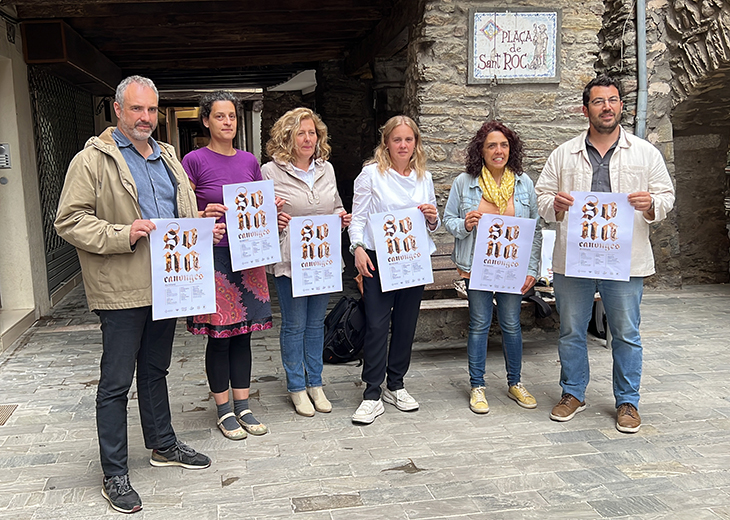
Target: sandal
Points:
(235, 435)
(253, 429)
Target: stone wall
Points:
(618, 58)
(449, 111)
(704, 246)
(275, 105)
(345, 105)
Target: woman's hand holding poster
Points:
(402, 248)
(253, 238)
(501, 253)
(316, 256)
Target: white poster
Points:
(600, 228)
(502, 253)
(402, 248)
(316, 254)
(546, 255)
(253, 238)
(183, 276)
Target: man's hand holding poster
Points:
(183, 277)
(600, 229)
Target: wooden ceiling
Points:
(183, 44)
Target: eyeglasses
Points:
(599, 102)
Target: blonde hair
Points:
(381, 156)
(280, 145)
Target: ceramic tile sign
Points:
(514, 46)
(502, 252)
(600, 229)
(402, 248)
(316, 254)
(253, 238)
(183, 276)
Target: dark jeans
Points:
(130, 338)
(395, 310)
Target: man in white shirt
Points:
(604, 158)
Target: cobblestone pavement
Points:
(439, 462)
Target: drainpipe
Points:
(641, 99)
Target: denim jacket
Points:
(465, 196)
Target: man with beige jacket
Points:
(114, 186)
(605, 158)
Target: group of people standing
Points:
(124, 178)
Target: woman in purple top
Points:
(242, 298)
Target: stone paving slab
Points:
(439, 462)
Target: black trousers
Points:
(228, 361)
(130, 338)
(396, 311)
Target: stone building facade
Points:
(688, 59)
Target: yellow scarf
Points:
(497, 195)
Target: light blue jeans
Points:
(480, 319)
(302, 335)
(622, 301)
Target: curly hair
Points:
(475, 150)
(282, 140)
(381, 157)
(206, 105)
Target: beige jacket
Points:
(322, 199)
(95, 212)
(635, 165)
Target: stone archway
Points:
(698, 40)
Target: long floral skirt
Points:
(242, 301)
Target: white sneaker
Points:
(401, 399)
(368, 411)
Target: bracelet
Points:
(355, 246)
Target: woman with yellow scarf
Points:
(493, 183)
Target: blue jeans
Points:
(574, 300)
(302, 335)
(480, 319)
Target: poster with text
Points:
(253, 238)
(402, 248)
(501, 253)
(600, 229)
(183, 277)
(316, 254)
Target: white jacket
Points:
(636, 165)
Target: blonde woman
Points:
(305, 180)
(395, 178)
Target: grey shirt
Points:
(601, 176)
(156, 190)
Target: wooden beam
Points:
(387, 37)
(332, 20)
(30, 9)
(231, 61)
